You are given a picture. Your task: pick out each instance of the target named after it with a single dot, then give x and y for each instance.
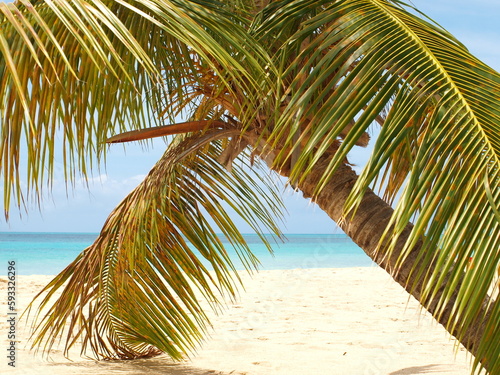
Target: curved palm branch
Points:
(157, 255)
(299, 80)
(79, 71)
(353, 62)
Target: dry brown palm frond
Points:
(131, 295)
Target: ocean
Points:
(50, 253)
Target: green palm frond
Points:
(157, 255)
(298, 79)
(75, 72)
(437, 146)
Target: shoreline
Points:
(302, 321)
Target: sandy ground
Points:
(316, 321)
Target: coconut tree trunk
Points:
(366, 229)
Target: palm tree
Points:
(294, 85)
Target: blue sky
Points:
(475, 23)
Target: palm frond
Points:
(437, 146)
(76, 72)
(136, 291)
(301, 78)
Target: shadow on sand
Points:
(427, 369)
(150, 366)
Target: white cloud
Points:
(83, 206)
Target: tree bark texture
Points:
(366, 229)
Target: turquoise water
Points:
(49, 253)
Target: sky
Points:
(84, 209)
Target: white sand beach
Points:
(346, 321)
